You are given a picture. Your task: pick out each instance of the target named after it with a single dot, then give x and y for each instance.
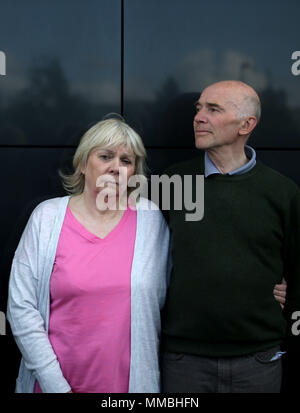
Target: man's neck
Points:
(227, 160)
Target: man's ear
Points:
(248, 125)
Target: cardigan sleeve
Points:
(27, 324)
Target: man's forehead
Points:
(221, 96)
(230, 91)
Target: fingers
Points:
(279, 291)
(280, 299)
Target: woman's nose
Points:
(114, 166)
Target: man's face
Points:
(216, 123)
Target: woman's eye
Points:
(126, 161)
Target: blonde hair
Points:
(106, 134)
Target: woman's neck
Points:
(87, 205)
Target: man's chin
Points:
(201, 144)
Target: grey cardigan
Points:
(29, 298)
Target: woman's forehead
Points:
(121, 149)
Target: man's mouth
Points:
(200, 131)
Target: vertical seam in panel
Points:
(122, 58)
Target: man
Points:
(222, 327)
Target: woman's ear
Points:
(82, 169)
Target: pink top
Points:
(89, 326)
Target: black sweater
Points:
(220, 300)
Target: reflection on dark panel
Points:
(164, 123)
(191, 45)
(62, 68)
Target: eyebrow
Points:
(112, 152)
(210, 105)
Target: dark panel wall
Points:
(63, 68)
(70, 62)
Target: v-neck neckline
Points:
(93, 237)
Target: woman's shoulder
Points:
(49, 208)
(149, 212)
(51, 205)
(145, 204)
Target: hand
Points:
(280, 292)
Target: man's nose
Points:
(200, 116)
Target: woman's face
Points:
(109, 169)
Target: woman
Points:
(88, 281)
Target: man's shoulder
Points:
(190, 166)
(277, 178)
(276, 183)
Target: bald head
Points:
(242, 96)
